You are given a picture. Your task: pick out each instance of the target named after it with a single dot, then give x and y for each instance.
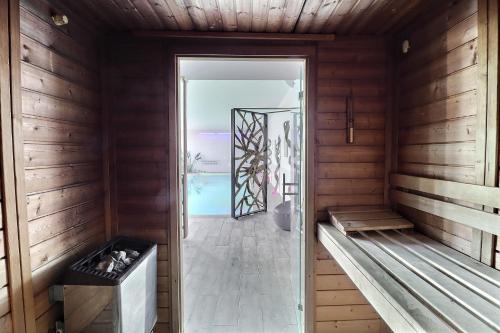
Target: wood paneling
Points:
(16, 311)
(5, 108)
(139, 150)
(340, 306)
(344, 17)
(350, 174)
(437, 90)
(347, 174)
(61, 129)
(5, 313)
(61, 102)
(490, 44)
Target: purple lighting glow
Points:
(214, 133)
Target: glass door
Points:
(298, 215)
(183, 176)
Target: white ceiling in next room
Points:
(240, 69)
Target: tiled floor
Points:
(237, 276)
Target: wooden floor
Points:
(237, 276)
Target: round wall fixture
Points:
(405, 47)
(60, 19)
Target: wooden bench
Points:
(415, 283)
(352, 220)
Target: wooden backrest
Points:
(470, 193)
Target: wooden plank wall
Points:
(437, 94)
(63, 165)
(5, 314)
(136, 91)
(497, 255)
(340, 306)
(62, 147)
(137, 96)
(493, 104)
(348, 174)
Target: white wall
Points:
(215, 149)
(209, 104)
(275, 130)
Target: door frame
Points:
(243, 49)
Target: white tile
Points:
(227, 310)
(237, 276)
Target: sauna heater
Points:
(113, 289)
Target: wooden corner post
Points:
(483, 243)
(9, 213)
(492, 128)
(18, 159)
(12, 171)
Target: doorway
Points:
(242, 211)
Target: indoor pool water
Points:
(209, 194)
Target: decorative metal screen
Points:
(249, 162)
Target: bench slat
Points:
(482, 287)
(478, 268)
(358, 209)
(350, 226)
(390, 299)
(350, 222)
(363, 216)
(483, 309)
(478, 194)
(471, 217)
(453, 313)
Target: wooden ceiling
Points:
(342, 17)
